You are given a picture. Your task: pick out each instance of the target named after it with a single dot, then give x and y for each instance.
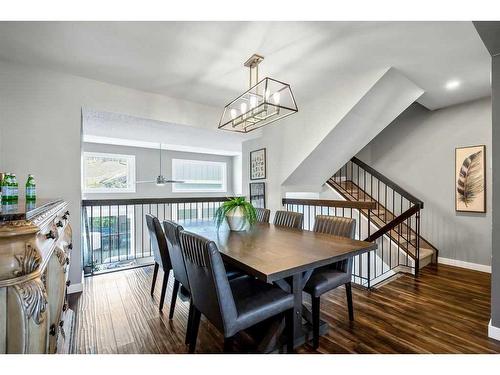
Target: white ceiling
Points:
(203, 61)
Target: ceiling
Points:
(203, 61)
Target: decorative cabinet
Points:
(35, 251)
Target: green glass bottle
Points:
(15, 188)
(30, 188)
(6, 197)
(2, 188)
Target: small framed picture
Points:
(258, 164)
(470, 179)
(258, 194)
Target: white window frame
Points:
(130, 173)
(177, 188)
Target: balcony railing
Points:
(115, 234)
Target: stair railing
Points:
(397, 212)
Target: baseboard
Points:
(76, 288)
(493, 332)
(462, 264)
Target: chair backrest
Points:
(158, 242)
(172, 231)
(289, 219)
(263, 215)
(338, 226)
(210, 290)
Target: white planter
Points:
(236, 220)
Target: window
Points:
(199, 176)
(108, 173)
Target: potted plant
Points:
(240, 214)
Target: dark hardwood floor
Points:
(445, 310)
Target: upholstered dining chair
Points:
(230, 305)
(172, 231)
(160, 254)
(332, 276)
(263, 215)
(289, 219)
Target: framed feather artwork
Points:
(470, 179)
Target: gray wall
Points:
(495, 262)
(147, 168)
(417, 151)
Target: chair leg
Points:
(189, 322)
(348, 292)
(194, 329)
(290, 338)
(164, 289)
(228, 344)
(315, 317)
(175, 290)
(155, 273)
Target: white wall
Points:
(147, 168)
(417, 151)
(40, 121)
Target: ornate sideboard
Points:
(35, 247)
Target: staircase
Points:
(397, 212)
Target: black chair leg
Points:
(315, 316)
(348, 292)
(228, 344)
(289, 331)
(155, 273)
(189, 322)
(194, 330)
(175, 290)
(164, 289)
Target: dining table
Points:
(283, 256)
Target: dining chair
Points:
(289, 219)
(230, 305)
(327, 278)
(160, 254)
(262, 215)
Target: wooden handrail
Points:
(114, 202)
(388, 182)
(393, 223)
(359, 205)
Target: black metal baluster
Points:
(118, 232)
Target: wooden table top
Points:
(272, 252)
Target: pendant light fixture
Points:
(266, 101)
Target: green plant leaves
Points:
(248, 210)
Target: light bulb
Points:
(276, 97)
(253, 101)
(234, 113)
(243, 107)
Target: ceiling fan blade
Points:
(145, 182)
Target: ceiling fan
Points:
(160, 179)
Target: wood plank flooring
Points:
(445, 310)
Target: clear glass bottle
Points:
(30, 188)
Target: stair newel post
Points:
(369, 233)
(417, 243)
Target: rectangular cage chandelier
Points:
(266, 101)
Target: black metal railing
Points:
(396, 216)
(115, 234)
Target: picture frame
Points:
(258, 194)
(258, 164)
(470, 179)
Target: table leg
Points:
(297, 307)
